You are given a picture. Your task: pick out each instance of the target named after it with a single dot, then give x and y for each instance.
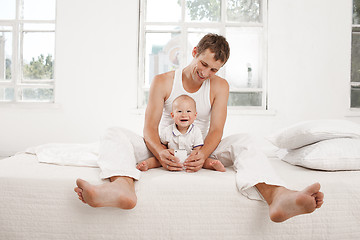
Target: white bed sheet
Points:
(37, 202)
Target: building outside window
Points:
(355, 57)
(27, 50)
(170, 29)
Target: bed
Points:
(37, 201)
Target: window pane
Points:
(39, 9)
(41, 27)
(5, 55)
(356, 11)
(162, 54)
(244, 64)
(163, 11)
(355, 55)
(245, 99)
(6, 94)
(355, 97)
(243, 10)
(7, 9)
(203, 10)
(37, 94)
(38, 55)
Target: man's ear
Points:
(194, 52)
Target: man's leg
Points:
(256, 179)
(117, 160)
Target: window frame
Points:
(18, 82)
(221, 25)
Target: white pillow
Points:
(305, 133)
(331, 155)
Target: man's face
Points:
(183, 113)
(204, 66)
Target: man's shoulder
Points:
(163, 83)
(219, 83)
(164, 77)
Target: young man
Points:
(254, 177)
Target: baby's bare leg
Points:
(214, 165)
(148, 164)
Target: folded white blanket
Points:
(67, 154)
(86, 155)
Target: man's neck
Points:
(188, 82)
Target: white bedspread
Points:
(37, 202)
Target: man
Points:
(254, 177)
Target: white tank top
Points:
(201, 97)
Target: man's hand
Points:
(169, 161)
(195, 161)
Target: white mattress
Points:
(37, 202)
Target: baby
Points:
(183, 134)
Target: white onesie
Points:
(174, 139)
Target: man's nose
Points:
(206, 72)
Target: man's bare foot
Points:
(287, 203)
(148, 164)
(214, 165)
(118, 193)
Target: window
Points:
(355, 56)
(27, 46)
(170, 29)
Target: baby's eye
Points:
(179, 111)
(188, 111)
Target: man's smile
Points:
(200, 75)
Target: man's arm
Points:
(154, 109)
(218, 117)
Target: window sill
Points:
(29, 105)
(231, 111)
(250, 111)
(353, 112)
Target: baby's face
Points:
(184, 113)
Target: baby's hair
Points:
(184, 97)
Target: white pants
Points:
(120, 151)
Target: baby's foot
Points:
(217, 165)
(143, 166)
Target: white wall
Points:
(96, 71)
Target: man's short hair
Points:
(216, 44)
